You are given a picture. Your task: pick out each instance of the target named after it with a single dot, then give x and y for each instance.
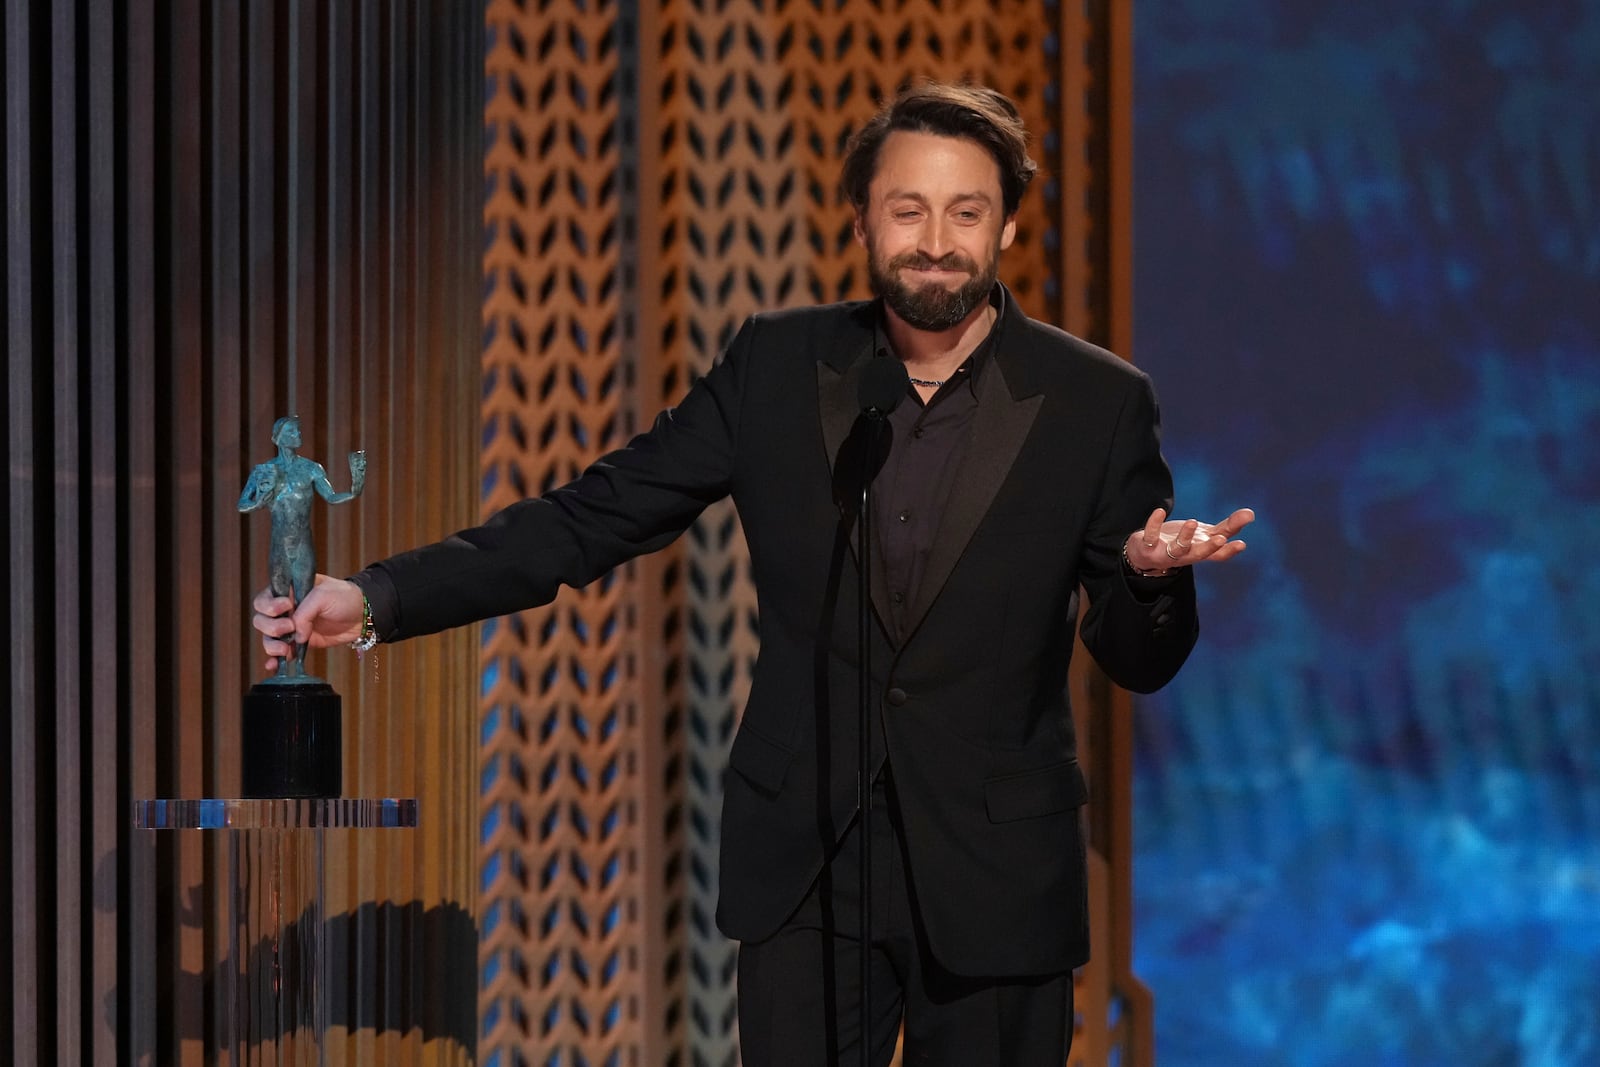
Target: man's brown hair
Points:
(969, 112)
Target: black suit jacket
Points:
(1062, 464)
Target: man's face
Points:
(933, 228)
(289, 434)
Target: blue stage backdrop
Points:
(1368, 288)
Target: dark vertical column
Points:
(59, 665)
(101, 773)
(138, 540)
(27, 171)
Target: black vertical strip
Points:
(245, 375)
(277, 78)
(322, 151)
(360, 71)
(204, 292)
(8, 841)
(59, 659)
(102, 802)
(161, 291)
(199, 186)
(357, 193)
(123, 1004)
(84, 257)
(137, 898)
(413, 77)
(334, 236)
(379, 78)
(41, 99)
(201, 291)
(304, 113)
(245, 161)
(165, 966)
(404, 80)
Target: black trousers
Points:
(799, 990)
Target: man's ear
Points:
(860, 229)
(1008, 233)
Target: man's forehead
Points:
(911, 159)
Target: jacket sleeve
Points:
(629, 502)
(1140, 641)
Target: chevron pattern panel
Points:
(560, 893)
(657, 173)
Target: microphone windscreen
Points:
(883, 384)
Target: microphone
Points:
(882, 386)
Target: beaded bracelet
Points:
(369, 633)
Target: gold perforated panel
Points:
(658, 174)
(562, 896)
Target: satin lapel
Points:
(998, 430)
(839, 404)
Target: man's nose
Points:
(935, 238)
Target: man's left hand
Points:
(1165, 544)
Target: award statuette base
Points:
(290, 740)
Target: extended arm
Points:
(358, 480)
(1139, 630)
(630, 502)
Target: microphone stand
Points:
(864, 736)
(883, 385)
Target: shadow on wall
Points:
(385, 968)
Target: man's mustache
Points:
(918, 261)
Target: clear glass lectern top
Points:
(322, 813)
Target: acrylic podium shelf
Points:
(277, 993)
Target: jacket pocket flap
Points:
(762, 762)
(1042, 792)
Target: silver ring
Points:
(1149, 544)
(1169, 550)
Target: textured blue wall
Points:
(1368, 288)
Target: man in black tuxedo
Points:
(1024, 464)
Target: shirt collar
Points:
(981, 356)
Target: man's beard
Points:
(932, 307)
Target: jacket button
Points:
(897, 697)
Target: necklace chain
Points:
(928, 382)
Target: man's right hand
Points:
(331, 614)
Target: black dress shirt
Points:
(928, 444)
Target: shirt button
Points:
(897, 697)
(905, 516)
(898, 598)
